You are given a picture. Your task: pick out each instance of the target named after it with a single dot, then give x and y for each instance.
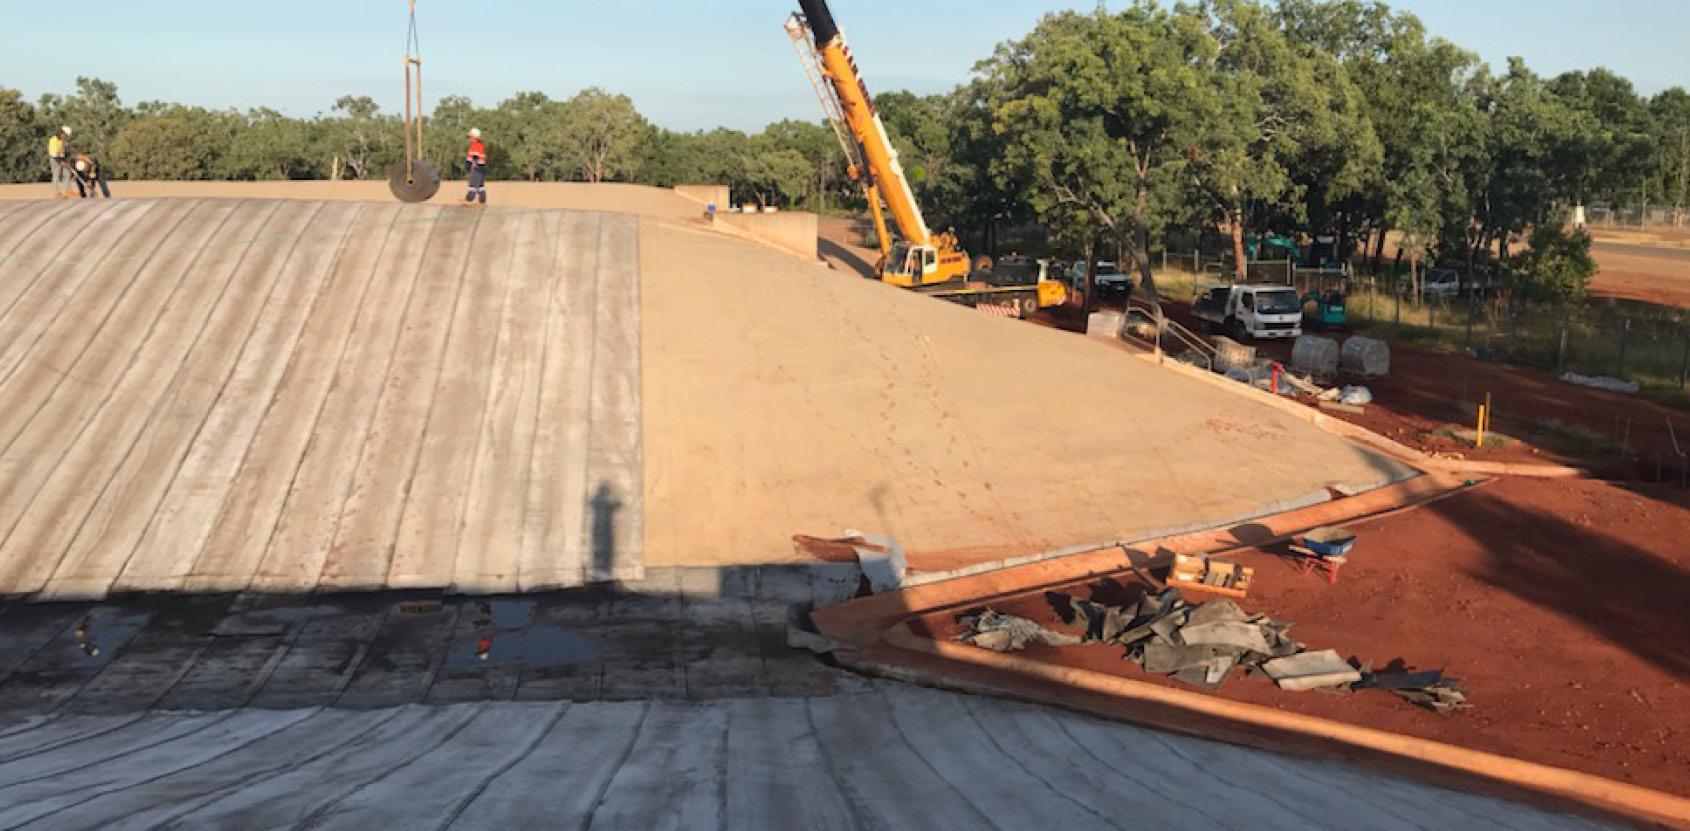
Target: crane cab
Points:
(910, 266)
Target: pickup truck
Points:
(1111, 281)
(1246, 311)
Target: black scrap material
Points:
(1155, 629)
(1429, 689)
(1199, 644)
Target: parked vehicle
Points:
(1449, 284)
(1111, 281)
(1441, 283)
(1246, 311)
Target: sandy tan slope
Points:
(785, 398)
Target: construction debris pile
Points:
(1203, 644)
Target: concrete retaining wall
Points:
(706, 194)
(793, 230)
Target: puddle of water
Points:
(549, 645)
(97, 635)
(491, 633)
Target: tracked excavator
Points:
(931, 263)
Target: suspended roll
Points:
(414, 183)
(1366, 357)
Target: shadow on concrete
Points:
(845, 257)
(602, 508)
(705, 633)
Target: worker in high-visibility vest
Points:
(90, 177)
(58, 156)
(476, 159)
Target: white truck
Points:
(1246, 311)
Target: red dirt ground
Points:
(1560, 603)
(1644, 279)
(1563, 604)
(1553, 420)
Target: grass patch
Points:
(1579, 438)
(1466, 435)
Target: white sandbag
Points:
(1602, 382)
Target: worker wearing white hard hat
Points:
(90, 177)
(58, 156)
(476, 159)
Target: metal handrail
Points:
(1189, 339)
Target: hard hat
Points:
(65, 130)
(474, 132)
(81, 166)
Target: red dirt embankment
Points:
(1560, 603)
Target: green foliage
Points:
(268, 145)
(94, 113)
(598, 135)
(1557, 268)
(362, 142)
(1101, 116)
(23, 146)
(158, 147)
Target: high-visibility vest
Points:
(56, 147)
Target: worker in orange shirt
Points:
(476, 158)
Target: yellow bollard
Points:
(1479, 431)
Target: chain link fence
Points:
(1651, 348)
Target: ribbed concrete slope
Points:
(229, 394)
(896, 757)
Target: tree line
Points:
(1337, 118)
(594, 136)
(1105, 130)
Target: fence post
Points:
(1625, 342)
(1684, 367)
(1472, 312)
(1396, 291)
(1561, 356)
(1197, 261)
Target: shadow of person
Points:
(603, 506)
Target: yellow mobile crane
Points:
(922, 260)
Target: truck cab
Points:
(1249, 311)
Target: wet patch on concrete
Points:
(672, 636)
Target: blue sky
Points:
(688, 65)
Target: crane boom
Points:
(923, 261)
(856, 107)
